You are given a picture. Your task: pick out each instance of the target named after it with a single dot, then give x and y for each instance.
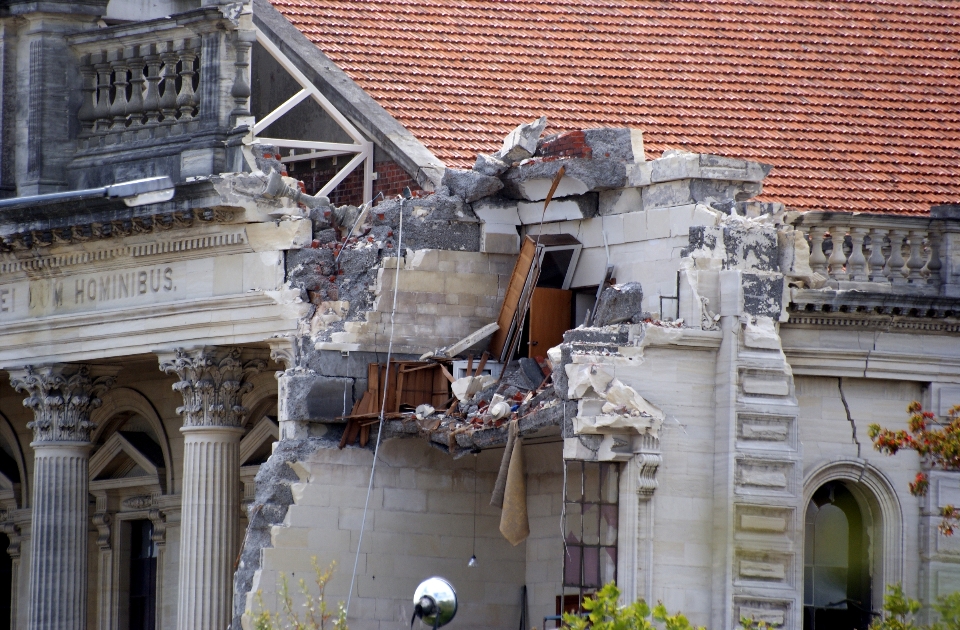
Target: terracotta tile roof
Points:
(855, 103)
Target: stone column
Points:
(61, 397)
(212, 382)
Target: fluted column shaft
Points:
(209, 526)
(61, 398)
(212, 382)
(58, 541)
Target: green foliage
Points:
(753, 624)
(898, 611)
(605, 613)
(949, 608)
(316, 616)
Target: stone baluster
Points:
(241, 82)
(915, 263)
(135, 103)
(61, 398)
(877, 260)
(934, 263)
(87, 114)
(151, 96)
(857, 262)
(818, 262)
(838, 260)
(168, 100)
(212, 382)
(894, 267)
(103, 93)
(118, 110)
(186, 100)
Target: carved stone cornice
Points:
(212, 382)
(61, 397)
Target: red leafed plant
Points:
(936, 441)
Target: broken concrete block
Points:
(499, 238)
(611, 142)
(471, 185)
(490, 165)
(761, 333)
(676, 166)
(521, 143)
(565, 209)
(639, 174)
(719, 167)
(620, 200)
(763, 294)
(619, 303)
(497, 210)
(532, 180)
(310, 396)
(687, 191)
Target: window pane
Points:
(591, 482)
(571, 527)
(608, 524)
(591, 567)
(610, 480)
(608, 564)
(591, 524)
(574, 481)
(571, 566)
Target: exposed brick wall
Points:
(566, 144)
(391, 180)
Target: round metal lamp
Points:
(434, 602)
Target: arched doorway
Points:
(837, 569)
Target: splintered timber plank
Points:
(511, 300)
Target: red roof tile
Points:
(855, 103)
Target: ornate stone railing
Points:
(140, 90)
(175, 87)
(876, 253)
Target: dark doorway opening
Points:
(836, 567)
(142, 602)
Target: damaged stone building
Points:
(457, 291)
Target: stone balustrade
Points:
(140, 91)
(882, 264)
(885, 253)
(161, 96)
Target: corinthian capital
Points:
(61, 397)
(212, 382)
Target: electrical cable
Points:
(383, 405)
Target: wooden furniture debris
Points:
(410, 383)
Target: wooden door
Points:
(549, 319)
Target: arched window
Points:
(836, 571)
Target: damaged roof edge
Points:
(348, 97)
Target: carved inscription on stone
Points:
(47, 296)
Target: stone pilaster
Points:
(212, 382)
(61, 398)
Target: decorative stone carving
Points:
(61, 401)
(138, 502)
(212, 381)
(648, 461)
(102, 521)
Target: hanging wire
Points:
(383, 405)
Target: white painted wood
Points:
(287, 105)
(315, 93)
(340, 176)
(311, 144)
